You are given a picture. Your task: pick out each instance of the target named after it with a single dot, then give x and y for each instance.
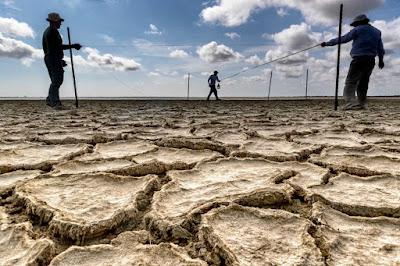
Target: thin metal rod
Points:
(307, 84)
(188, 86)
(338, 59)
(73, 70)
(270, 83)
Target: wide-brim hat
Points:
(359, 19)
(216, 72)
(54, 17)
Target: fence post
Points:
(270, 83)
(338, 59)
(188, 87)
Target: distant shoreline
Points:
(296, 98)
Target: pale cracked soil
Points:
(199, 183)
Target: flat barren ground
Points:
(199, 183)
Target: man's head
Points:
(360, 20)
(215, 72)
(55, 20)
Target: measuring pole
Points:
(73, 70)
(338, 59)
(270, 83)
(307, 84)
(188, 86)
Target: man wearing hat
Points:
(211, 83)
(367, 44)
(53, 50)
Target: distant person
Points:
(367, 44)
(211, 83)
(53, 50)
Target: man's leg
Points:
(57, 78)
(216, 93)
(208, 98)
(362, 87)
(352, 79)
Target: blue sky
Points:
(150, 45)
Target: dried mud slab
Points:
(370, 197)
(128, 248)
(231, 138)
(195, 144)
(342, 139)
(349, 240)
(10, 180)
(39, 157)
(15, 145)
(251, 236)
(171, 156)
(83, 167)
(119, 150)
(249, 182)
(361, 162)
(276, 150)
(84, 206)
(17, 247)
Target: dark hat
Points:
(54, 17)
(359, 19)
(215, 72)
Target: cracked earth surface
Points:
(199, 183)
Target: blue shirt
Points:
(367, 41)
(213, 79)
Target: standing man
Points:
(211, 83)
(367, 44)
(53, 50)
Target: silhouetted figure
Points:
(53, 50)
(211, 83)
(367, 44)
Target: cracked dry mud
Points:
(199, 183)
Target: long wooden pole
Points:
(270, 83)
(188, 86)
(307, 84)
(338, 59)
(73, 70)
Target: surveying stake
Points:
(338, 59)
(73, 70)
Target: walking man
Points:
(211, 83)
(367, 44)
(53, 50)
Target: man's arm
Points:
(345, 39)
(381, 53)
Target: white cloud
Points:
(282, 12)
(293, 60)
(390, 32)
(154, 74)
(106, 38)
(10, 4)
(115, 62)
(178, 54)
(213, 52)
(153, 30)
(232, 35)
(232, 13)
(12, 27)
(254, 60)
(11, 48)
(296, 37)
(206, 73)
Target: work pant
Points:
(212, 90)
(56, 72)
(358, 79)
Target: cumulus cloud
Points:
(11, 48)
(10, 26)
(296, 37)
(293, 60)
(213, 52)
(106, 38)
(108, 60)
(282, 12)
(232, 13)
(390, 32)
(254, 60)
(178, 54)
(153, 30)
(232, 35)
(154, 74)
